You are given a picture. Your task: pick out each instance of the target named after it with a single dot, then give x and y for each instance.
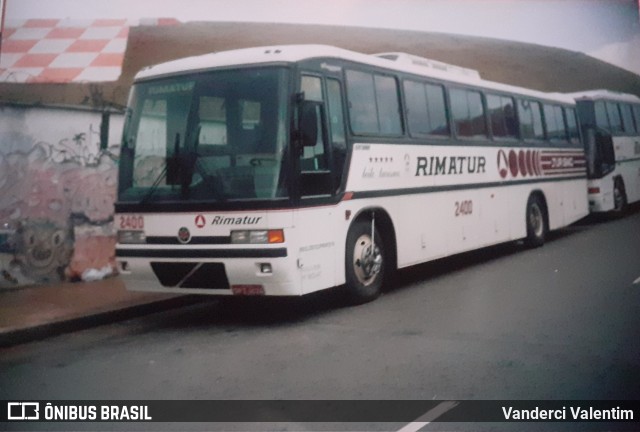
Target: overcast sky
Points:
(607, 29)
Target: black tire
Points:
(619, 197)
(364, 266)
(536, 222)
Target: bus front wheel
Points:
(536, 222)
(364, 263)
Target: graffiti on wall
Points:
(43, 249)
(49, 194)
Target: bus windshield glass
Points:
(215, 136)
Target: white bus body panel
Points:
(139, 275)
(496, 181)
(601, 201)
(627, 151)
(457, 199)
(441, 199)
(627, 156)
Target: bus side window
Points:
(315, 177)
(313, 158)
(636, 116)
(602, 120)
(572, 126)
(336, 123)
(530, 120)
(502, 116)
(556, 130)
(388, 105)
(374, 105)
(615, 121)
(468, 113)
(627, 119)
(312, 88)
(426, 112)
(417, 113)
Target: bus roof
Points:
(400, 62)
(601, 94)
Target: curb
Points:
(43, 331)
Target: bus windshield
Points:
(214, 136)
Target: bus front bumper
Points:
(262, 272)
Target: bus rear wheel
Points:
(364, 263)
(536, 222)
(619, 197)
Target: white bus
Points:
(288, 170)
(611, 125)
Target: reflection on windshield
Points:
(209, 137)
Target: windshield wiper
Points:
(155, 185)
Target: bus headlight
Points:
(257, 236)
(131, 236)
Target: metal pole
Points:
(373, 232)
(3, 10)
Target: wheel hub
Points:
(618, 198)
(367, 260)
(535, 220)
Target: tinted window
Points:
(468, 113)
(502, 116)
(615, 121)
(388, 105)
(601, 115)
(572, 126)
(314, 158)
(437, 110)
(627, 119)
(336, 116)
(362, 102)
(636, 116)
(530, 119)
(555, 123)
(312, 88)
(195, 137)
(336, 120)
(373, 103)
(425, 109)
(586, 113)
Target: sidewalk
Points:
(37, 312)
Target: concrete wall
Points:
(57, 189)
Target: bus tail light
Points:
(594, 190)
(131, 236)
(257, 236)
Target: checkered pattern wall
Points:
(62, 51)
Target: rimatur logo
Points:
(503, 164)
(23, 411)
(200, 221)
(520, 163)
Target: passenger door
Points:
(320, 172)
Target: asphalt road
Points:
(557, 322)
